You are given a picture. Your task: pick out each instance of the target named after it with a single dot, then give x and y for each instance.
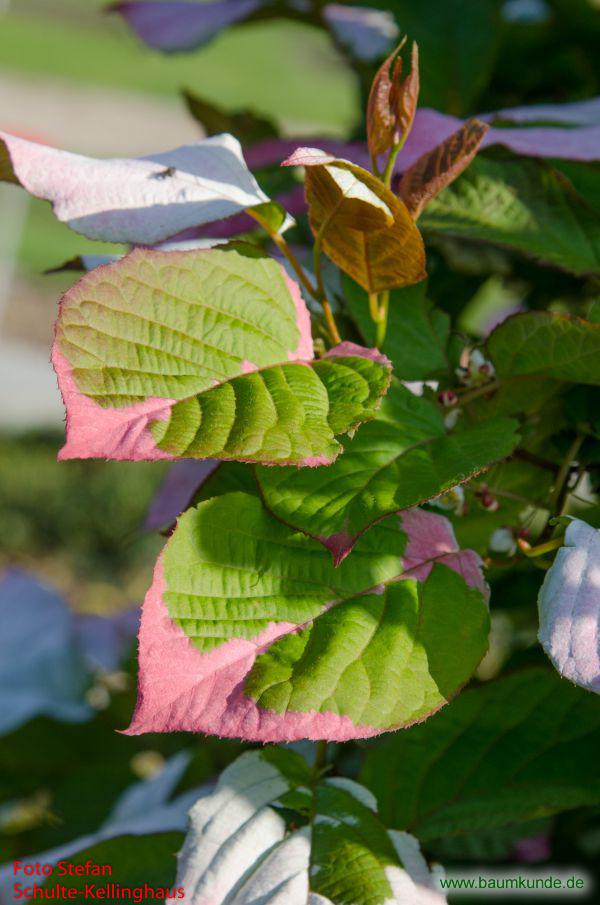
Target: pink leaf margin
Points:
(182, 689)
(94, 432)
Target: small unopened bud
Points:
(502, 540)
(487, 500)
(451, 418)
(447, 398)
(451, 501)
(486, 370)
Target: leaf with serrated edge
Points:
(238, 850)
(438, 168)
(139, 200)
(204, 355)
(543, 344)
(402, 458)
(569, 607)
(520, 204)
(273, 643)
(511, 750)
(377, 258)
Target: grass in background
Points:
(77, 524)
(287, 70)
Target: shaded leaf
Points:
(569, 607)
(458, 41)
(523, 205)
(245, 125)
(182, 25)
(417, 334)
(543, 344)
(284, 646)
(204, 355)
(434, 171)
(139, 200)
(404, 457)
(238, 849)
(177, 490)
(577, 113)
(377, 257)
(367, 33)
(41, 667)
(144, 809)
(513, 750)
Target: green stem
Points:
(560, 490)
(318, 291)
(386, 178)
(476, 392)
(374, 307)
(383, 320)
(541, 549)
(286, 251)
(321, 295)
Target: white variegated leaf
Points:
(141, 200)
(239, 851)
(569, 607)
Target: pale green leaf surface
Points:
(204, 354)
(402, 458)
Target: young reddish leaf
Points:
(141, 200)
(378, 257)
(204, 355)
(250, 631)
(569, 605)
(435, 170)
(404, 98)
(392, 103)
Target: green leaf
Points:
(417, 333)
(327, 846)
(521, 204)
(204, 354)
(542, 344)
(286, 646)
(404, 457)
(516, 749)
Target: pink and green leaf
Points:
(204, 355)
(250, 631)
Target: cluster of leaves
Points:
(320, 412)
